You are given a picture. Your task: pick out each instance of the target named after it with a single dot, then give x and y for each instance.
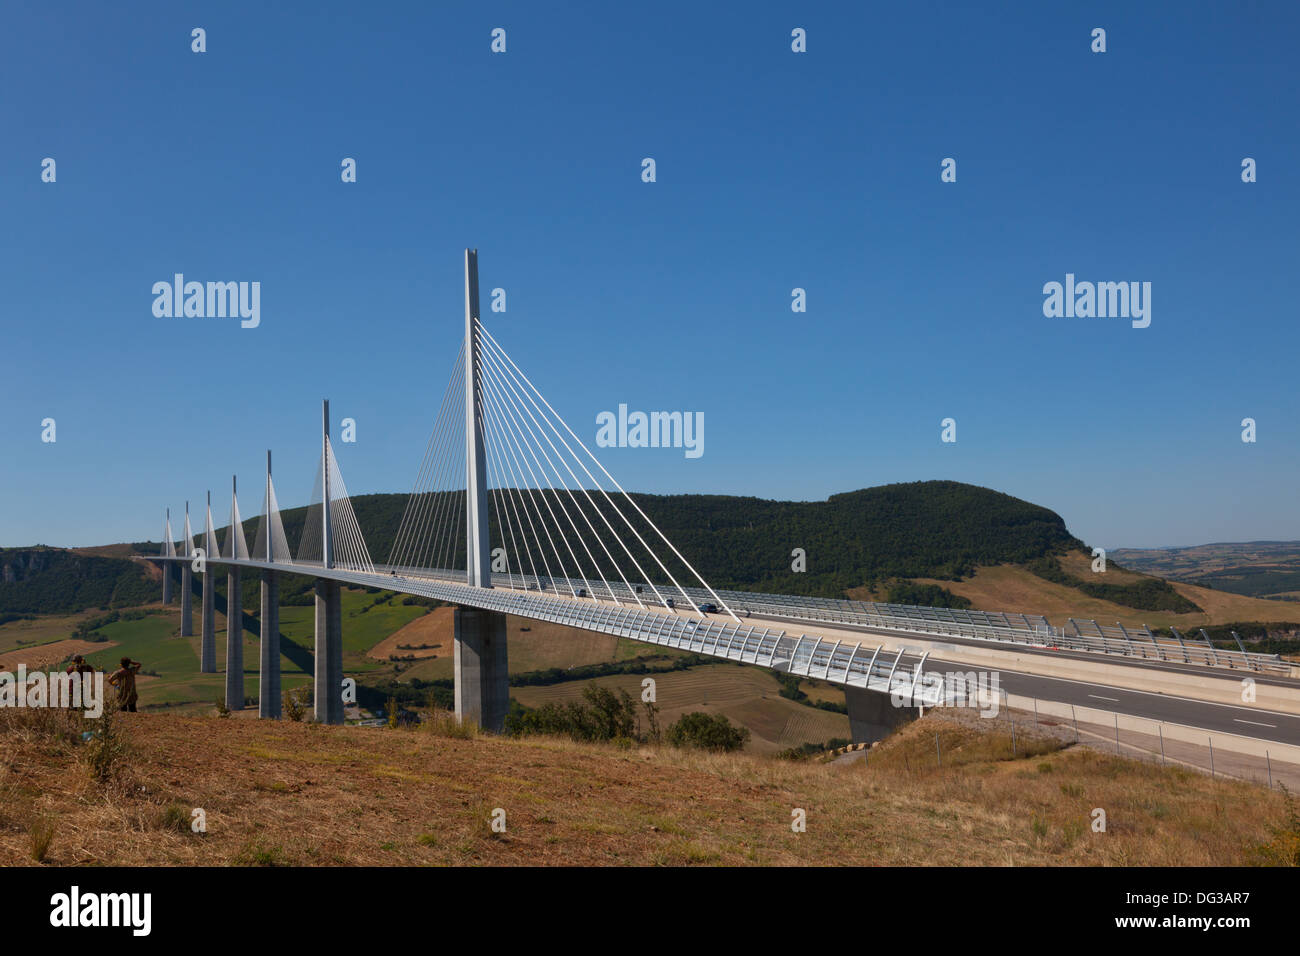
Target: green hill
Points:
(43, 580)
(930, 529)
(942, 529)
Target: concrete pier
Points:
(187, 601)
(167, 581)
(482, 680)
(329, 653)
(234, 642)
(873, 716)
(268, 679)
(208, 637)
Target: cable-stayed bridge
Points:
(511, 513)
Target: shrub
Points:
(603, 715)
(105, 750)
(925, 595)
(42, 834)
(175, 817)
(707, 732)
(443, 723)
(295, 704)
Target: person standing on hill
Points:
(79, 666)
(124, 680)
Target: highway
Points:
(1241, 720)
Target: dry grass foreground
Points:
(297, 793)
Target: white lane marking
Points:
(1255, 722)
(1114, 700)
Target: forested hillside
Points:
(939, 529)
(51, 580)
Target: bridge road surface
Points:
(1207, 715)
(1242, 721)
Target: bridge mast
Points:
(269, 552)
(268, 678)
(477, 552)
(480, 657)
(326, 539)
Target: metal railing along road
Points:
(852, 664)
(1009, 628)
(1004, 628)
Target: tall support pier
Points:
(268, 678)
(166, 565)
(234, 617)
(480, 659)
(329, 609)
(187, 580)
(208, 637)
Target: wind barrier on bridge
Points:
(1030, 631)
(1011, 628)
(997, 627)
(839, 662)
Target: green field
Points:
(170, 674)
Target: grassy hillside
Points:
(292, 793)
(1015, 588)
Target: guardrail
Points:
(1005, 628)
(1002, 627)
(837, 662)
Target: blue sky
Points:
(775, 170)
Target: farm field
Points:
(745, 695)
(1010, 587)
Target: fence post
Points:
(1161, 729)
(1211, 740)
(1075, 715)
(1269, 764)
(1117, 735)
(1035, 711)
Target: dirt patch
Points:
(425, 637)
(48, 655)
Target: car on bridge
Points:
(708, 609)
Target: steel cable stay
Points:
(494, 376)
(513, 370)
(515, 437)
(599, 572)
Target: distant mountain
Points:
(1269, 569)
